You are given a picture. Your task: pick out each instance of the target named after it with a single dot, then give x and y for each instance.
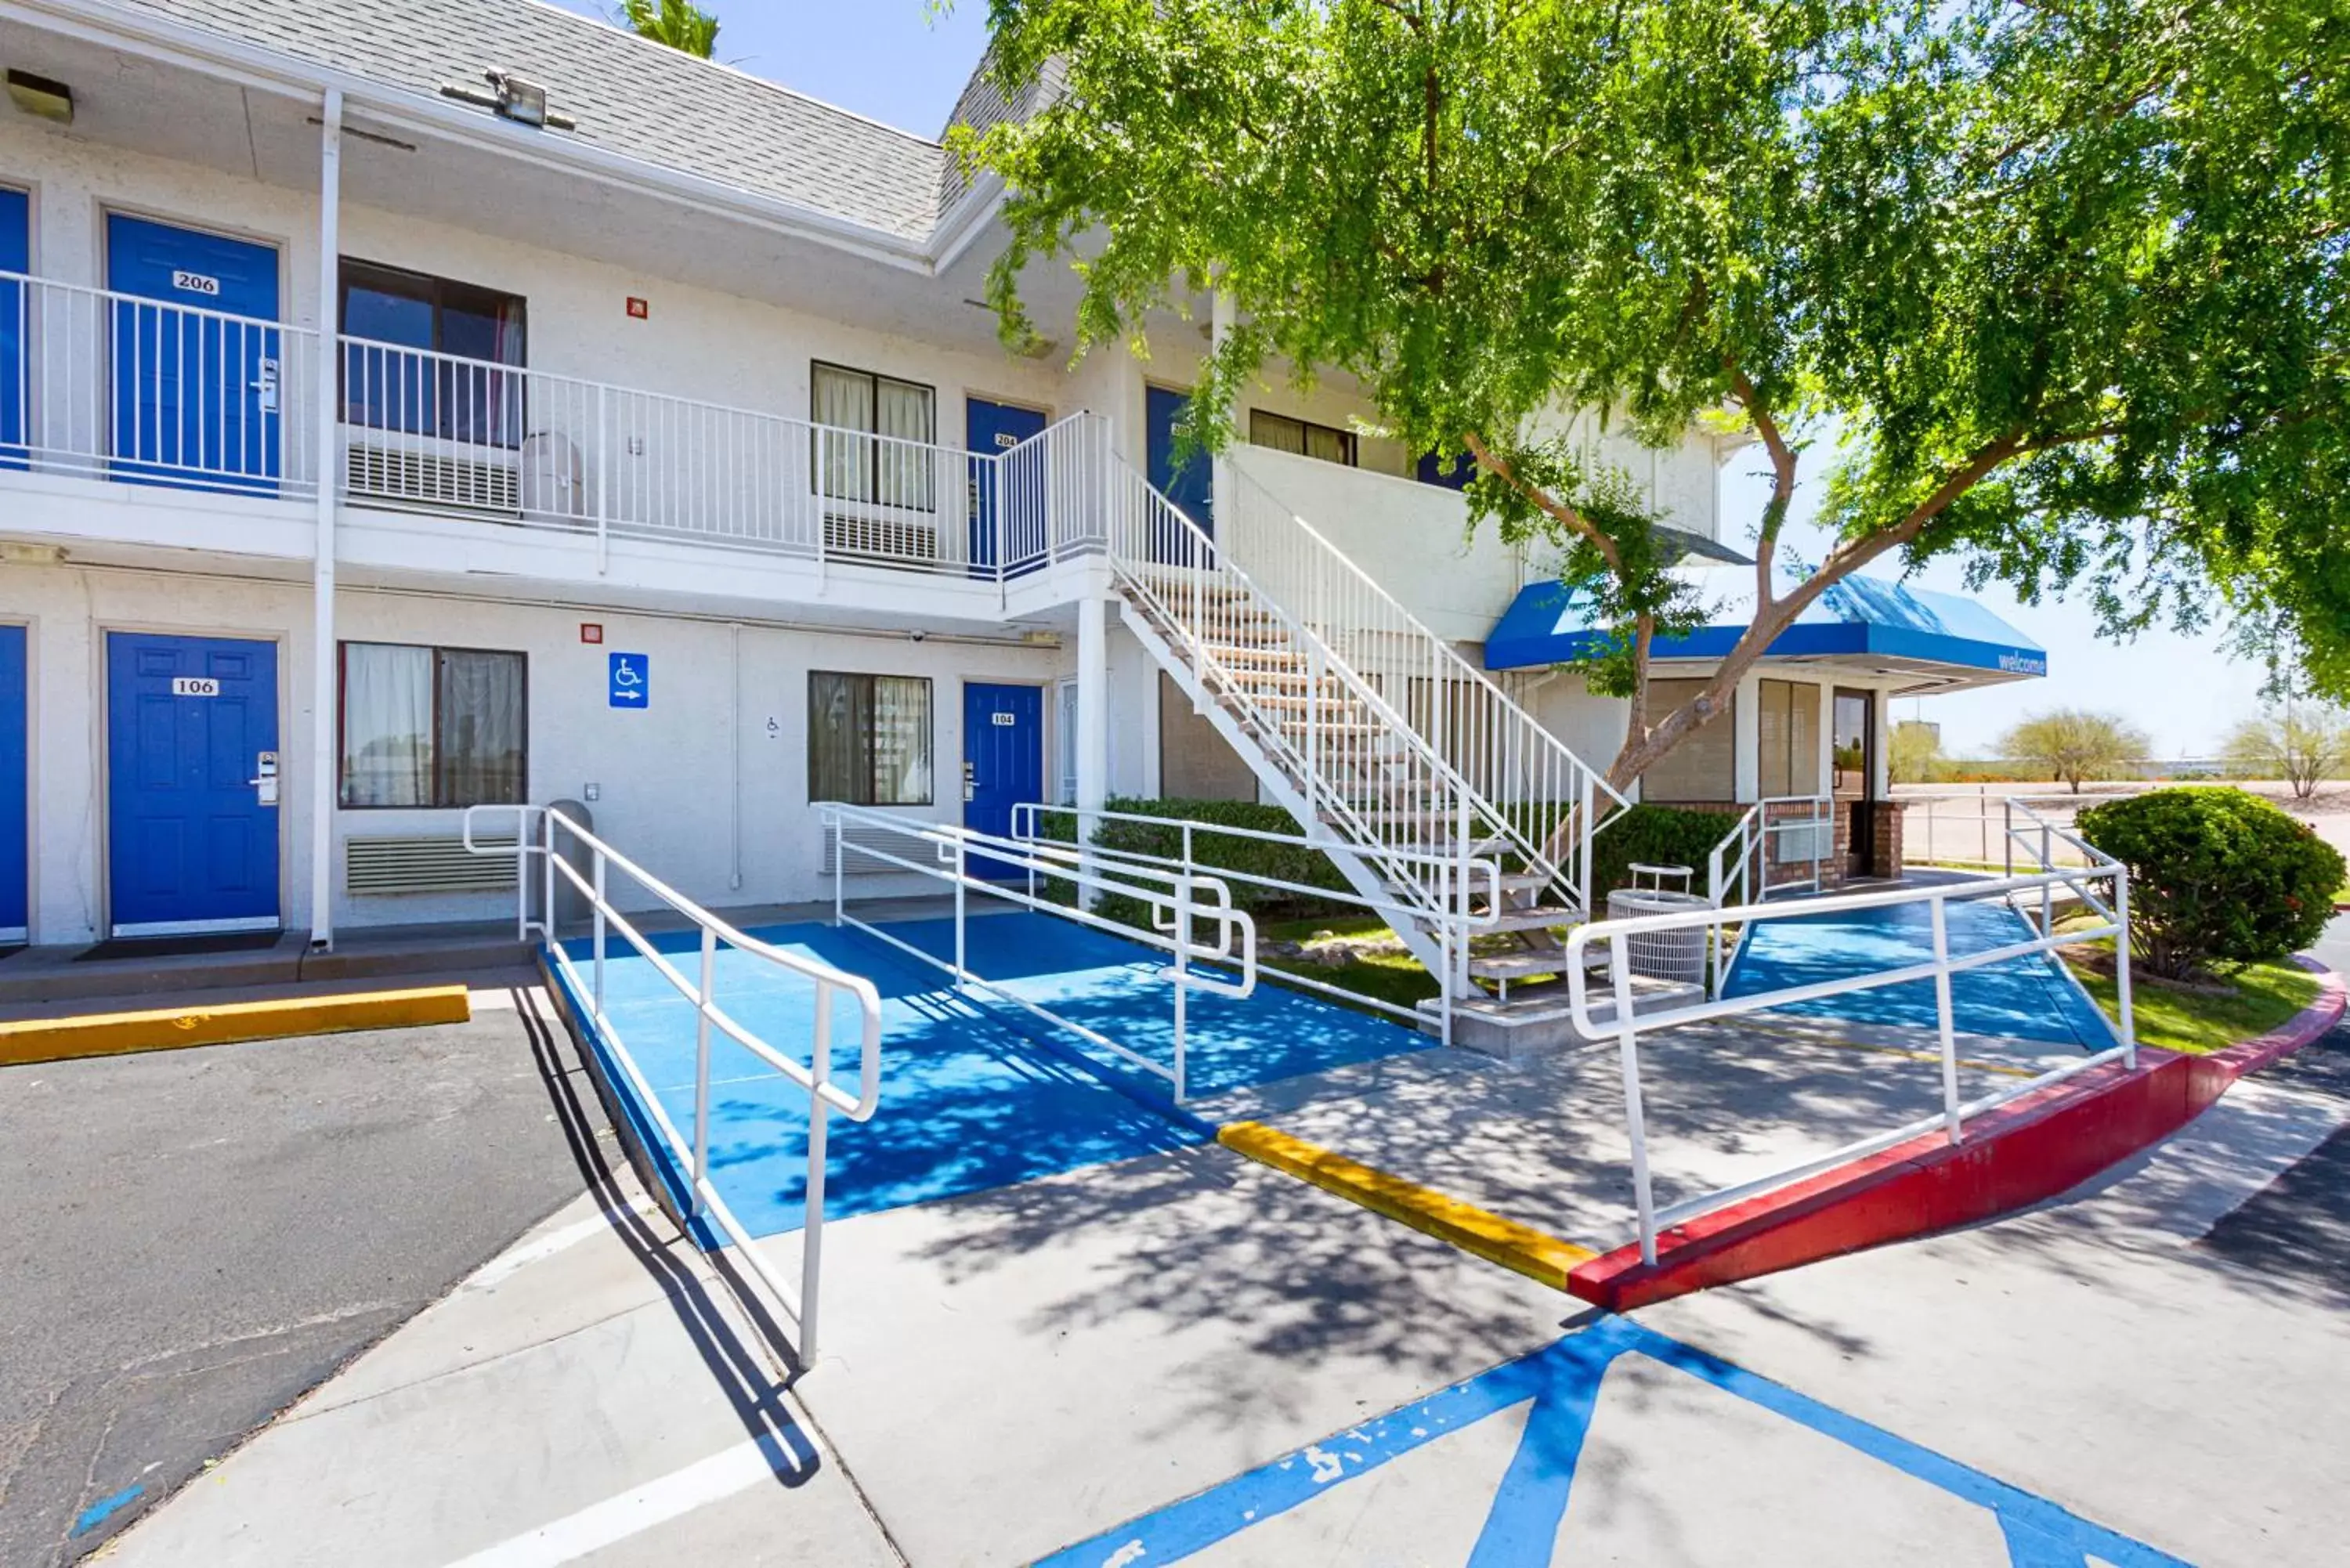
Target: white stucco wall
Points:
(666, 774)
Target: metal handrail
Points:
(1184, 898)
(1455, 926)
(243, 389)
(1198, 590)
(1496, 735)
(824, 1095)
(1626, 1026)
(1753, 839)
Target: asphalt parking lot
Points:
(192, 1238)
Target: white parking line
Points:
(615, 1519)
(522, 1254)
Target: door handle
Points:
(267, 386)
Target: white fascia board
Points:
(158, 39)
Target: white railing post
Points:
(812, 1217)
(2122, 966)
(600, 934)
(702, 1068)
(962, 869)
(546, 904)
(1628, 1048)
(1944, 1018)
(1183, 971)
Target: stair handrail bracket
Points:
(1626, 1024)
(555, 832)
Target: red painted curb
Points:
(2030, 1149)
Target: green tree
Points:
(680, 24)
(1917, 753)
(2071, 744)
(2304, 744)
(2053, 287)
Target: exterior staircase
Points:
(1436, 792)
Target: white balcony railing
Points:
(111, 386)
(103, 385)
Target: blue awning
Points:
(1947, 640)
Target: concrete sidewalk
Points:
(1065, 1362)
(1543, 1142)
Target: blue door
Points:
(1018, 491)
(15, 257)
(1190, 486)
(192, 784)
(15, 757)
(196, 371)
(1002, 761)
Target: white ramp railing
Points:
(1627, 1027)
(556, 833)
(1181, 901)
(1453, 929)
(1751, 862)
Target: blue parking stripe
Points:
(1562, 1381)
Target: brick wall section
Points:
(1885, 862)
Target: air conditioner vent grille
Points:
(432, 478)
(425, 863)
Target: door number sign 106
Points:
(195, 686)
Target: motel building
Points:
(396, 419)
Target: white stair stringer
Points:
(1360, 721)
(1367, 877)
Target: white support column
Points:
(1093, 713)
(322, 683)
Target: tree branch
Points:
(1499, 466)
(1783, 477)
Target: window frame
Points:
(436, 293)
(929, 737)
(1354, 458)
(343, 719)
(873, 380)
(1795, 690)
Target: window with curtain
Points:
(433, 726)
(1703, 767)
(876, 443)
(869, 738)
(1789, 735)
(437, 360)
(1282, 433)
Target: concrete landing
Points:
(1542, 1141)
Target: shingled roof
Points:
(627, 96)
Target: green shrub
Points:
(1654, 836)
(1215, 851)
(2216, 876)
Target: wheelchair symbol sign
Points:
(632, 675)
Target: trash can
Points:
(1674, 955)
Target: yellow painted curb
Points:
(1539, 1256)
(165, 1029)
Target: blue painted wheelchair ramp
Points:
(2022, 998)
(976, 1093)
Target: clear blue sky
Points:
(891, 61)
